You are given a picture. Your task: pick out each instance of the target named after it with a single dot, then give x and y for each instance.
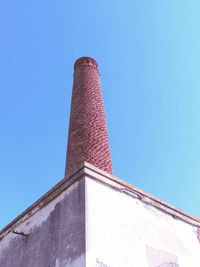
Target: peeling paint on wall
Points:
(169, 264)
(124, 231)
(78, 262)
(56, 234)
(93, 224)
(160, 258)
(99, 263)
(57, 263)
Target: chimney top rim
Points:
(82, 61)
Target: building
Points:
(91, 218)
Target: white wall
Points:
(123, 231)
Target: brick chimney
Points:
(87, 137)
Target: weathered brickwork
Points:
(88, 137)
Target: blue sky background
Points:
(149, 61)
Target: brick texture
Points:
(87, 137)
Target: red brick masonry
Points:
(88, 137)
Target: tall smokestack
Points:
(87, 137)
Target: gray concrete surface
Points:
(58, 240)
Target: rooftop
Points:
(86, 169)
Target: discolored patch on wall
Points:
(160, 258)
(169, 264)
(100, 263)
(56, 240)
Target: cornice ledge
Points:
(135, 192)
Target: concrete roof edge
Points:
(143, 196)
(86, 169)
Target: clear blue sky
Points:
(149, 60)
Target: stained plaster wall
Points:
(56, 234)
(123, 231)
(96, 224)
